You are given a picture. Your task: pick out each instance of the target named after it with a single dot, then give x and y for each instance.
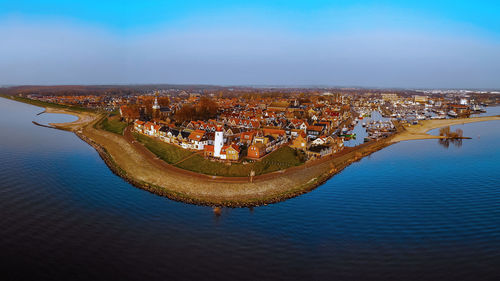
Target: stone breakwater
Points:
(42, 125)
(117, 170)
(299, 190)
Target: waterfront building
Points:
(256, 150)
(198, 140)
(319, 151)
(230, 152)
(300, 142)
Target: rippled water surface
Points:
(415, 210)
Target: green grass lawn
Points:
(115, 112)
(201, 165)
(167, 152)
(283, 158)
(113, 125)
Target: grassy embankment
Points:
(112, 124)
(167, 152)
(48, 104)
(283, 158)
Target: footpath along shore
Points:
(132, 161)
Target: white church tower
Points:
(218, 142)
(156, 106)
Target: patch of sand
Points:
(84, 118)
(418, 132)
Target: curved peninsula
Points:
(132, 161)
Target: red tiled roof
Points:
(315, 128)
(274, 132)
(196, 135)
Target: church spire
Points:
(156, 106)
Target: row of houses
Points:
(211, 143)
(195, 140)
(225, 145)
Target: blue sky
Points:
(427, 44)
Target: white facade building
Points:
(218, 142)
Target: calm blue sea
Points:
(418, 210)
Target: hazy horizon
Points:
(369, 44)
(259, 86)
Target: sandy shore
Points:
(141, 168)
(84, 119)
(418, 132)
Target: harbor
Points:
(367, 127)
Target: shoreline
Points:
(310, 175)
(420, 131)
(299, 188)
(230, 203)
(241, 200)
(179, 197)
(143, 170)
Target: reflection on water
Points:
(446, 142)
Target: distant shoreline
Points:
(145, 171)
